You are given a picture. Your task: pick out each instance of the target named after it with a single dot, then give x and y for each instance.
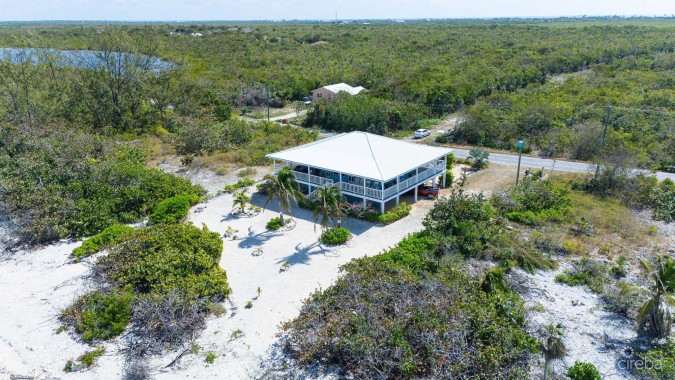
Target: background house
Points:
(329, 92)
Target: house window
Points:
(319, 95)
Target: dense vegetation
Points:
(101, 239)
(388, 318)
(565, 117)
(510, 69)
(57, 182)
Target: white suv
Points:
(421, 133)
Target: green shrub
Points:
(466, 222)
(96, 242)
(583, 371)
(166, 258)
(441, 139)
(661, 360)
(69, 366)
(450, 161)
(210, 357)
(533, 202)
(173, 210)
(100, 316)
(244, 182)
(399, 212)
(274, 224)
(89, 358)
(449, 177)
(585, 272)
(335, 236)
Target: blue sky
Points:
(19, 10)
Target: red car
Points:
(428, 191)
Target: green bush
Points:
(399, 212)
(335, 236)
(274, 224)
(100, 316)
(244, 182)
(96, 242)
(533, 202)
(89, 358)
(450, 161)
(449, 177)
(441, 139)
(165, 258)
(583, 371)
(585, 272)
(173, 210)
(662, 360)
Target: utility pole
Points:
(602, 140)
(267, 89)
(521, 143)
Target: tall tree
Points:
(654, 318)
(328, 201)
(284, 186)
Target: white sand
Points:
(35, 285)
(592, 334)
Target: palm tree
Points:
(241, 199)
(654, 314)
(328, 201)
(553, 346)
(285, 187)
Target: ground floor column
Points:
(364, 203)
(398, 198)
(443, 179)
(416, 186)
(382, 207)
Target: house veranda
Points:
(367, 168)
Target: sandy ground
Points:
(36, 284)
(592, 334)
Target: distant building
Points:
(196, 34)
(329, 92)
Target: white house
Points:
(329, 92)
(366, 167)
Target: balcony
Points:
(354, 189)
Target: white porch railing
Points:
(351, 188)
(369, 192)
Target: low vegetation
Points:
(161, 280)
(384, 317)
(173, 210)
(585, 271)
(95, 243)
(100, 315)
(335, 236)
(274, 224)
(240, 184)
(583, 371)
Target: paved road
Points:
(538, 163)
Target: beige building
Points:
(329, 92)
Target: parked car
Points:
(307, 100)
(422, 133)
(428, 191)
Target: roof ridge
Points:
(373, 154)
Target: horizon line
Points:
(348, 19)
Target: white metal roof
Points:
(336, 88)
(363, 154)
